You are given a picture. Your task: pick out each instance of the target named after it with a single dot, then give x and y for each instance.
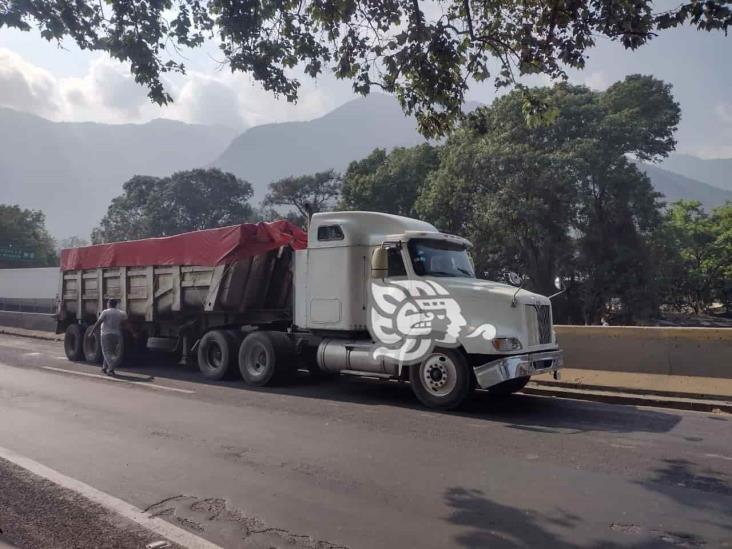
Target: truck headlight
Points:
(504, 344)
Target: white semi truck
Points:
(371, 294)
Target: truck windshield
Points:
(432, 257)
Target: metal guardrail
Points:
(28, 305)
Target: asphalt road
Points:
(358, 463)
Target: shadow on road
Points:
(135, 378)
(525, 412)
(487, 523)
(491, 524)
(691, 485)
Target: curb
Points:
(20, 332)
(614, 397)
(559, 385)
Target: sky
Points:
(65, 83)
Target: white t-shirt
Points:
(111, 320)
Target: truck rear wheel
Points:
(74, 342)
(442, 381)
(266, 358)
(215, 355)
(92, 346)
(509, 387)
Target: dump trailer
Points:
(361, 293)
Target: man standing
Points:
(111, 322)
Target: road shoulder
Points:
(40, 507)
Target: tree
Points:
(388, 183)
(562, 197)
(308, 194)
(698, 256)
(426, 55)
(24, 240)
(515, 203)
(185, 201)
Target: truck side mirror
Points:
(379, 263)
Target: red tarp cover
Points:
(206, 248)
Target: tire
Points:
(215, 355)
(443, 380)
(92, 346)
(74, 342)
(509, 387)
(267, 358)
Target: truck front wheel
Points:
(442, 381)
(266, 358)
(214, 355)
(74, 342)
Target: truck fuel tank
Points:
(335, 355)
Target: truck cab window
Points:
(395, 263)
(432, 257)
(330, 232)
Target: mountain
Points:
(676, 187)
(72, 170)
(266, 153)
(716, 171)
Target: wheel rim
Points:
(438, 375)
(257, 360)
(215, 355)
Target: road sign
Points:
(16, 254)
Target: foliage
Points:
(185, 201)
(697, 248)
(24, 240)
(308, 194)
(390, 182)
(426, 54)
(562, 198)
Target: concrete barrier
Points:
(692, 362)
(693, 352)
(28, 321)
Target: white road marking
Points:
(108, 378)
(116, 505)
(32, 354)
(717, 456)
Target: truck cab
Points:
(394, 296)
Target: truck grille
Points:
(539, 324)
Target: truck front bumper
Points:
(510, 367)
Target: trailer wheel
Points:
(443, 380)
(215, 355)
(74, 342)
(266, 358)
(509, 387)
(92, 346)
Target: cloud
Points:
(207, 100)
(724, 111)
(597, 80)
(106, 92)
(25, 87)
